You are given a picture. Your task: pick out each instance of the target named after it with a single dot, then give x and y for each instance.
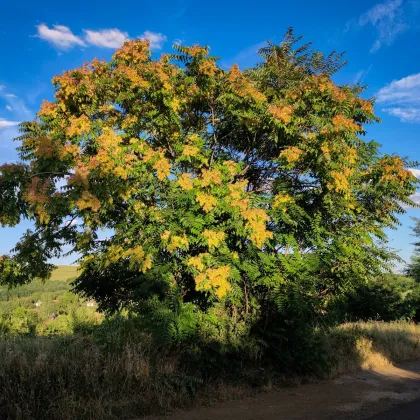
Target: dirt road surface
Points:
(409, 411)
(360, 395)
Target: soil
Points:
(361, 395)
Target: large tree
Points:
(217, 187)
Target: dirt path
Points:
(357, 396)
(408, 411)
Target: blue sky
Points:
(43, 38)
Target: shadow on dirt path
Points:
(409, 411)
(360, 395)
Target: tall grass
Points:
(118, 373)
(371, 345)
(74, 378)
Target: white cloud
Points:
(388, 21)
(410, 115)
(73, 222)
(402, 98)
(7, 123)
(63, 38)
(108, 38)
(403, 91)
(416, 198)
(178, 41)
(156, 39)
(16, 105)
(60, 36)
(415, 172)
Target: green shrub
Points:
(387, 298)
(61, 325)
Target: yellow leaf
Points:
(206, 201)
(213, 238)
(185, 182)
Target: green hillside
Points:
(64, 272)
(59, 283)
(45, 307)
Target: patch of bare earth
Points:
(358, 395)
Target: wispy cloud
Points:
(387, 19)
(181, 7)
(7, 123)
(16, 113)
(156, 39)
(60, 36)
(361, 75)
(402, 98)
(107, 38)
(178, 41)
(63, 38)
(14, 105)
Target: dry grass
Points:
(65, 378)
(75, 379)
(370, 345)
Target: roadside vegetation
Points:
(81, 364)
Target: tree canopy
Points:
(176, 178)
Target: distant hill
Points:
(64, 272)
(57, 285)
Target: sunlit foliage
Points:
(215, 188)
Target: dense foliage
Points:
(243, 201)
(413, 268)
(389, 297)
